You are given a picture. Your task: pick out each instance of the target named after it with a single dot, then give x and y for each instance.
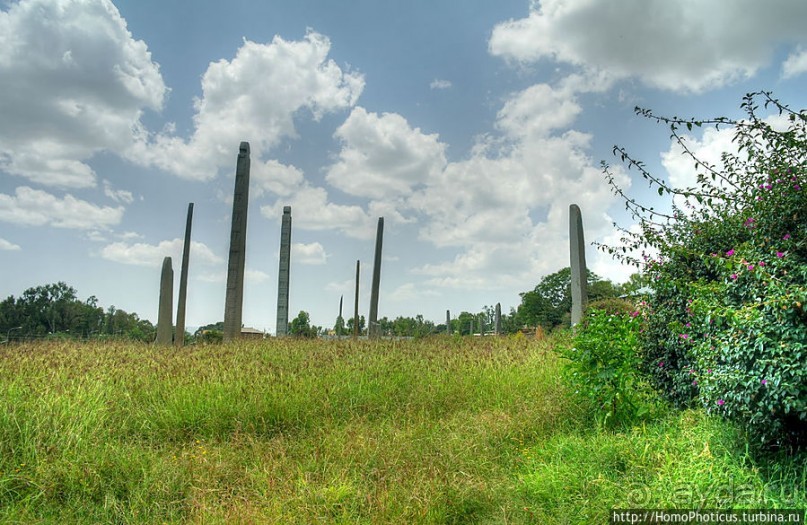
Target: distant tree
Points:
(54, 309)
(300, 326)
(362, 325)
(339, 327)
(635, 283)
(549, 303)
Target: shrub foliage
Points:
(727, 327)
(603, 365)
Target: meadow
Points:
(437, 430)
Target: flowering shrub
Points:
(728, 328)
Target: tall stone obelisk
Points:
(448, 322)
(282, 326)
(238, 245)
(166, 307)
(372, 326)
(179, 337)
(356, 304)
(498, 319)
(577, 251)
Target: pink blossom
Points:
(786, 237)
(720, 402)
(764, 381)
(730, 253)
(780, 254)
(734, 277)
(750, 267)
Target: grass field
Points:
(473, 430)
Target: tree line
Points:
(54, 310)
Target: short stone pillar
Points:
(165, 323)
(577, 250)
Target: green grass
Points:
(477, 430)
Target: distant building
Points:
(252, 333)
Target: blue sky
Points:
(469, 126)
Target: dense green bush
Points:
(727, 327)
(612, 306)
(603, 366)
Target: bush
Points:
(727, 327)
(603, 367)
(612, 306)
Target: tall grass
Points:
(282, 431)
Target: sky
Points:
(469, 126)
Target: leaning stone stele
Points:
(179, 338)
(372, 327)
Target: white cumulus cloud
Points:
(312, 253)
(383, 156)
(795, 64)
(312, 210)
(687, 45)
(440, 84)
(152, 255)
(8, 246)
(38, 208)
(254, 97)
(505, 208)
(74, 82)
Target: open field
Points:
(443, 430)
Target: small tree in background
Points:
(301, 326)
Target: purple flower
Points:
(786, 237)
(768, 186)
(708, 370)
(749, 222)
(720, 402)
(761, 263)
(634, 313)
(684, 336)
(734, 277)
(780, 254)
(764, 381)
(750, 267)
(730, 253)
(695, 383)
(661, 364)
(796, 187)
